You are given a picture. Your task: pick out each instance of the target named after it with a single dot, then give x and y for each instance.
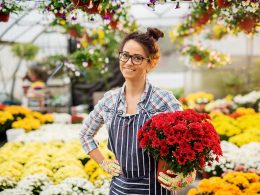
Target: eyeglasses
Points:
(136, 59)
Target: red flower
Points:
(198, 147)
(164, 150)
(144, 142)
(185, 140)
(156, 143)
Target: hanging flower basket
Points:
(60, 15)
(247, 25)
(4, 17)
(223, 3)
(109, 15)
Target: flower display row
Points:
(21, 117)
(59, 132)
(245, 158)
(240, 131)
(58, 160)
(251, 99)
(232, 183)
(225, 106)
(42, 185)
(205, 102)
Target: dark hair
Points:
(38, 72)
(149, 41)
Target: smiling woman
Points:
(124, 110)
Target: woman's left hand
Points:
(172, 181)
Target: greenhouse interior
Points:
(64, 62)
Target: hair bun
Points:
(154, 33)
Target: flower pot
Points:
(162, 167)
(247, 25)
(181, 181)
(4, 17)
(197, 57)
(73, 32)
(113, 24)
(59, 15)
(223, 3)
(92, 8)
(79, 3)
(107, 14)
(203, 19)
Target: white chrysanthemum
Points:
(14, 192)
(7, 182)
(251, 97)
(34, 183)
(61, 189)
(79, 185)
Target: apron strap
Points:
(147, 100)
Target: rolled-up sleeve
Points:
(90, 127)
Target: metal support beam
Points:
(14, 23)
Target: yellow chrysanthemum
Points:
(16, 110)
(194, 98)
(68, 171)
(27, 123)
(97, 175)
(36, 169)
(5, 116)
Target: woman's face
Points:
(136, 67)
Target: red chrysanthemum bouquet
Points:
(185, 140)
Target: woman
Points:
(124, 111)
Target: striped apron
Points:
(139, 169)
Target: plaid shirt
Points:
(161, 101)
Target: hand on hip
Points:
(111, 166)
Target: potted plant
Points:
(58, 7)
(196, 53)
(6, 8)
(201, 13)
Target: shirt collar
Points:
(122, 97)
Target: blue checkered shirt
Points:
(161, 101)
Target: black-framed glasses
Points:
(136, 59)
